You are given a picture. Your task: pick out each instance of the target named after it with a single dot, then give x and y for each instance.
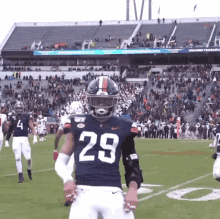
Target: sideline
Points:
(37, 171)
(174, 187)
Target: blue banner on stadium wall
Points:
(122, 51)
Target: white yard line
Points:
(14, 174)
(173, 188)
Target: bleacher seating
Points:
(49, 35)
(22, 36)
(158, 30)
(122, 32)
(216, 33)
(193, 31)
(69, 35)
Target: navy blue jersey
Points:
(216, 133)
(20, 124)
(98, 149)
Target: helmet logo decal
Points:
(105, 84)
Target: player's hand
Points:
(55, 155)
(7, 144)
(131, 200)
(70, 191)
(35, 139)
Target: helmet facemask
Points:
(19, 109)
(102, 106)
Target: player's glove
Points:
(55, 155)
(7, 144)
(214, 156)
(35, 139)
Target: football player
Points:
(19, 124)
(44, 128)
(98, 139)
(3, 127)
(216, 156)
(40, 127)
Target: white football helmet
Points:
(19, 107)
(76, 108)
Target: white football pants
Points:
(20, 145)
(216, 167)
(1, 141)
(92, 201)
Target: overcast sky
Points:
(91, 10)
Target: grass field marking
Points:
(174, 187)
(37, 171)
(12, 155)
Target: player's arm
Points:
(133, 173)
(63, 158)
(61, 167)
(63, 129)
(10, 130)
(56, 143)
(5, 127)
(31, 125)
(8, 135)
(131, 162)
(57, 138)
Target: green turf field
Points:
(169, 166)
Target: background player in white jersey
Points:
(44, 128)
(3, 121)
(19, 124)
(98, 140)
(40, 127)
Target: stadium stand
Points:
(193, 34)
(158, 31)
(24, 36)
(111, 36)
(159, 87)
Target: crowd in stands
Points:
(177, 92)
(61, 46)
(92, 68)
(19, 68)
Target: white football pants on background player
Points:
(1, 141)
(108, 201)
(216, 167)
